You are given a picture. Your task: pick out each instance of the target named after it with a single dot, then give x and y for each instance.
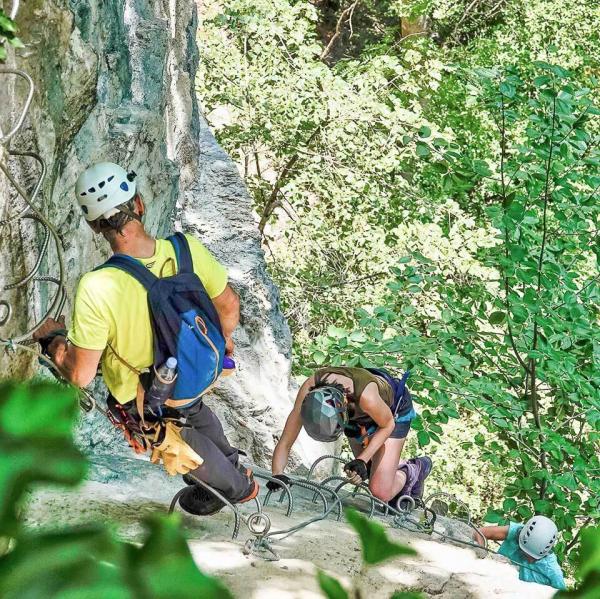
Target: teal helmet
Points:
(324, 413)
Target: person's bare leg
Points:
(386, 479)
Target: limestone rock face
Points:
(114, 80)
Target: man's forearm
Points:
(58, 351)
(229, 322)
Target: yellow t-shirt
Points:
(111, 307)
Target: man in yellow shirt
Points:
(111, 324)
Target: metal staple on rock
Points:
(30, 212)
(252, 521)
(401, 518)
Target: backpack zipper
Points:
(201, 325)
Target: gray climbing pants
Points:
(207, 439)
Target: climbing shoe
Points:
(188, 479)
(425, 465)
(200, 502)
(253, 487)
(412, 474)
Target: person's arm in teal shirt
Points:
(491, 533)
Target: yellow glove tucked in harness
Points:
(176, 455)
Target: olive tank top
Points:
(360, 379)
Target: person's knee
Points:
(381, 489)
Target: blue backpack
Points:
(185, 323)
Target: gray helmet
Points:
(323, 413)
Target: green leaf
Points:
(508, 90)
(494, 516)
(497, 317)
(423, 150)
(376, 547)
(423, 438)
(6, 24)
(331, 587)
(15, 42)
(36, 442)
(481, 168)
(407, 595)
(589, 554)
(336, 332)
(319, 357)
(166, 567)
(358, 337)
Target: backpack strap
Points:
(132, 267)
(185, 264)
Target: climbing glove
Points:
(176, 455)
(356, 471)
(49, 338)
(274, 486)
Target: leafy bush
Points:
(36, 446)
(517, 340)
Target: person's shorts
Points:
(404, 410)
(406, 414)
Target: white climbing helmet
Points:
(102, 187)
(538, 537)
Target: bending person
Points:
(374, 410)
(111, 324)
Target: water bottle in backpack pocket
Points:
(162, 385)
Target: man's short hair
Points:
(115, 224)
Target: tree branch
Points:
(506, 236)
(346, 16)
(273, 201)
(572, 543)
(535, 407)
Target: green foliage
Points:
(35, 443)
(36, 446)
(391, 147)
(516, 342)
(588, 571)
(331, 587)
(376, 547)
(8, 33)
